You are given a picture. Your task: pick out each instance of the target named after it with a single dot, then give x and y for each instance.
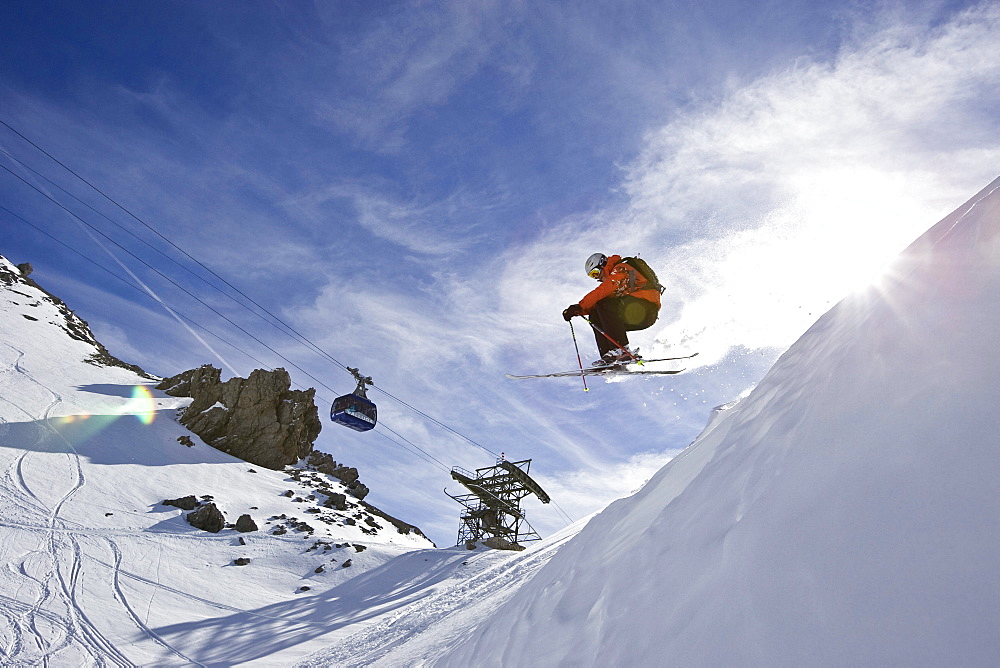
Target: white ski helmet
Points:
(595, 263)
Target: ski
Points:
(613, 370)
(610, 370)
(643, 360)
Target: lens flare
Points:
(141, 405)
(70, 419)
(83, 426)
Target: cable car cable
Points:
(416, 450)
(290, 329)
(420, 452)
(423, 454)
(165, 277)
(287, 328)
(440, 424)
(177, 247)
(406, 440)
(131, 285)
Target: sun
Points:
(763, 284)
(851, 223)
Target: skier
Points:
(626, 300)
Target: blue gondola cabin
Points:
(354, 411)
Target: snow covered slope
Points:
(444, 599)
(844, 513)
(95, 571)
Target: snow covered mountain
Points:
(845, 513)
(96, 569)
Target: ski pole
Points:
(618, 345)
(578, 360)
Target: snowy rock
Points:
(347, 474)
(207, 518)
(245, 524)
(336, 501)
(324, 463)
(358, 490)
(258, 419)
(402, 527)
(184, 503)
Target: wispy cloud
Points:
(763, 209)
(356, 189)
(406, 63)
(421, 226)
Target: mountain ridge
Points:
(75, 326)
(95, 561)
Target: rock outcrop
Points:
(349, 512)
(207, 518)
(184, 503)
(324, 463)
(258, 419)
(245, 524)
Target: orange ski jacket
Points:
(618, 279)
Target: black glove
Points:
(572, 310)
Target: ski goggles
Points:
(595, 272)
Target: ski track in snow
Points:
(54, 627)
(67, 597)
(425, 629)
(143, 587)
(55, 567)
(122, 599)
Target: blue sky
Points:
(415, 187)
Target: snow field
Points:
(96, 570)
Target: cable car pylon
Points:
(355, 410)
(493, 511)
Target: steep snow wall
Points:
(844, 513)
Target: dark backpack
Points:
(647, 272)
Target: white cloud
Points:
(116, 340)
(763, 210)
